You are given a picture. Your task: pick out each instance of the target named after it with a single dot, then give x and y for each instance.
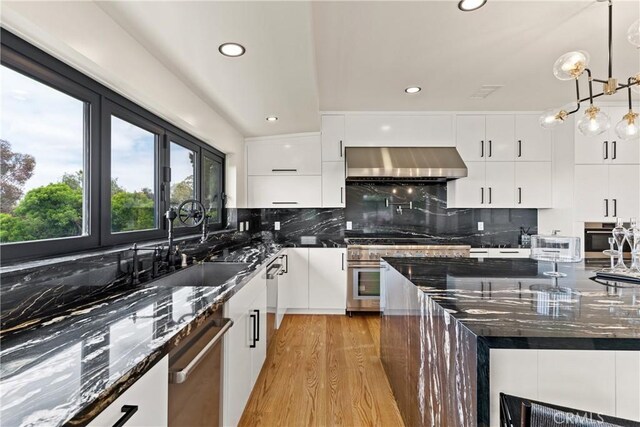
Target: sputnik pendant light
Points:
(571, 66)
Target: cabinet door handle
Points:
(341, 194)
(519, 195)
(490, 149)
(257, 337)
(606, 149)
(614, 153)
(481, 148)
(284, 170)
(615, 207)
(342, 262)
(482, 195)
(286, 263)
(284, 203)
(340, 148)
(489, 195)
(519, 148)
(253, 330)
(128, 411)
(606, 207)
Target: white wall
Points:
(82, 35)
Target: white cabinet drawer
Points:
(285, 191)
(150, 394)
(299, 155)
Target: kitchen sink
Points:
(205, 274)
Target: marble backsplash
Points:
(371, 217)
(33, 292)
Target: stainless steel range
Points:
(363, 265)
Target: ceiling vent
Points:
(485, 90)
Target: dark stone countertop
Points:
(511, 304)
(69, 369)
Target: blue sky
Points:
(48, 124)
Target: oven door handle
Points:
(364, 266)
(598, 232)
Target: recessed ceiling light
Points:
(413, 89)
(469, 5)
(272, 118)
(231, 49)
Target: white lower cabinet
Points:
(284, 191)
(316, 280)
(149, 394)
(568, 378)
(327, 279)
(245, 346)
(297, 278)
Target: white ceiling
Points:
(305, 57)
(276, 76)
(367, 53)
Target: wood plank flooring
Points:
(323, 371)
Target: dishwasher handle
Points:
(180, 375)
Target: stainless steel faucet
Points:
(157, 258)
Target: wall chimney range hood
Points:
(404, 164)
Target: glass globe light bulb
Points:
(594, 122)
(628, 128)
(552, 118)
(633, 34)
(571, 65)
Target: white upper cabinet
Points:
(286, 155)
(468, 192)
(604, 192)
(500, 138)
(487, 185)
(606, 148)
(499, 186)
(470, 137)
(591, 198)
(533, 185)
(381, 130)
(623, 191)
(333, 138)
(284, 191)
(333, 185)
(488, 138)
(533, 142)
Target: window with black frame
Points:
(213, 187)
(84, 168)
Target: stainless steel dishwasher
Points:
(195, 376)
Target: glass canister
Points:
(555, 249)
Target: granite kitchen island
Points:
(456, 332)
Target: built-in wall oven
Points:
(596, 239)
(364, 290)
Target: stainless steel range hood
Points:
(404, 163)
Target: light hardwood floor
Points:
(323, 371)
